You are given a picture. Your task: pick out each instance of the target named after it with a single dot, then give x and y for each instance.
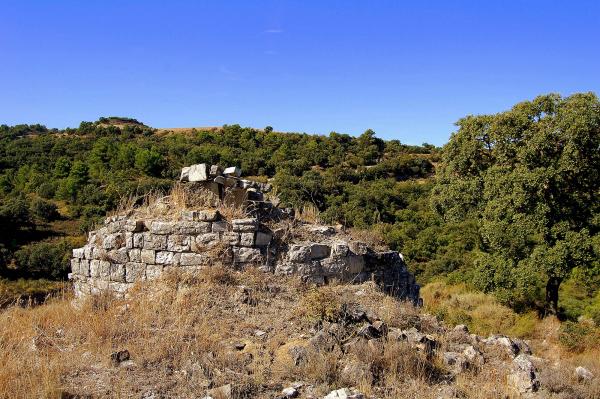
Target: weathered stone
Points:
(204, 242)
(118, 255)
(356, 371)
(583, 374)
(244, 225)
(117, 273)
(153, 271)
(523, 378)
(232, 171)
(339, 249)
(79, 252)
(155, 241)
(138, 240)
(185, 173)
(344, 393)
(75, 266)
(456, 362)
(358, 247)
(319, 251)
(285, 269)
(164, 257)
(219, 226)
(503, 342)
(246, 255)
(198, 172)
(231, 238)
(290, 392)
(247, 239)
(208, 215)
(178, 243)
(299, 253)
(113, 241)
(159, 227)
(349, 265)
(133, 226)
(262, 239)
(148, 256)
(135, 255)
(193, 259)
(215, 170)
(84, 267)
(88, 250)
(135, 272)
(192, 228)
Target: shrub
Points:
(44, 210)
(579, 336)
(45, 259)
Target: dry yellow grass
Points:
(189, 333)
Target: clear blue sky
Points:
(408, 70)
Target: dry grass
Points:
(308, 214)
(169, 206)
(189, 333)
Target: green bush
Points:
(579, 336)
(44, 210)
(44, 259)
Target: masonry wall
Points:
(126, 251)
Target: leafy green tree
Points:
(530, 177)
(149, 162)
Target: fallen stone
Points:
(523, 378)
(198, 172)
(290, 392)
(232, 171)
(344, 393)
(583, 374)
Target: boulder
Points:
(523, 378)
(232, 171)
(198, 172)
(583, 374)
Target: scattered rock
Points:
(523, 378)
(583, 374)
(344, 393)
(290, 392)
(118, 357)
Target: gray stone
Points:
(344, 393)
(155, 241)
(135, 272)
(192, 259)
(185, 173)
(523, 378)
(198, 172)
(262, 239)
(178, 243)
(164, 257)
(153, 271)
(583, 374)
(158, 227)
(206, 241)
(135, 255)
(319, 251)
(75, 266)
(339, 249)
(232, 171)
(113, 241)
(215, 170)
(290, 392)
(247, 239)
(117, 273)
(193, 227)
(299, 253)
(231, 238)
(358, 247)
(219, 226)
(133, 226)
(84, 267)
(456, 362)
(285, 269)
(246, 255)
(138, 240)
(207, 215)
(79, 252)
(244, 225)
(118, 256)
(148, 256)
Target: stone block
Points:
(232, 171)
(178, 243)
(135, 255)
(193, 259)
(75, 266)
(88, 250)
(135, 272)
(207, 241)
(198, 172)
(185, 173)
(84, 267)
(134, 226)
(319, 251)
(153, 271)
(244, 225)
(246, 255)
(247, 239)
(262, 239)
(215, 170)
(138, 240)
(113, 241)
(79, 252)
(104, 270)
(219, 226)
(231, 238)
(118, 287)
(164, 257)
(95, 268)
(285, 269)
(117, 272)
(159, 227)
(358, 247)
(118, 255)
(339, 249)
(155, 241)
(193, 227)
(148, 256)
(299, 253)
(207, 215)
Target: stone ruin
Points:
(128, 249)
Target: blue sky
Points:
(407, 70)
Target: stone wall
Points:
(127, 250)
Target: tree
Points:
(530, 177)
(149, 162)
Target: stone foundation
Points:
(126, 251)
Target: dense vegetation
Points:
(513, 209)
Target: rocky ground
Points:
(228, 334)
